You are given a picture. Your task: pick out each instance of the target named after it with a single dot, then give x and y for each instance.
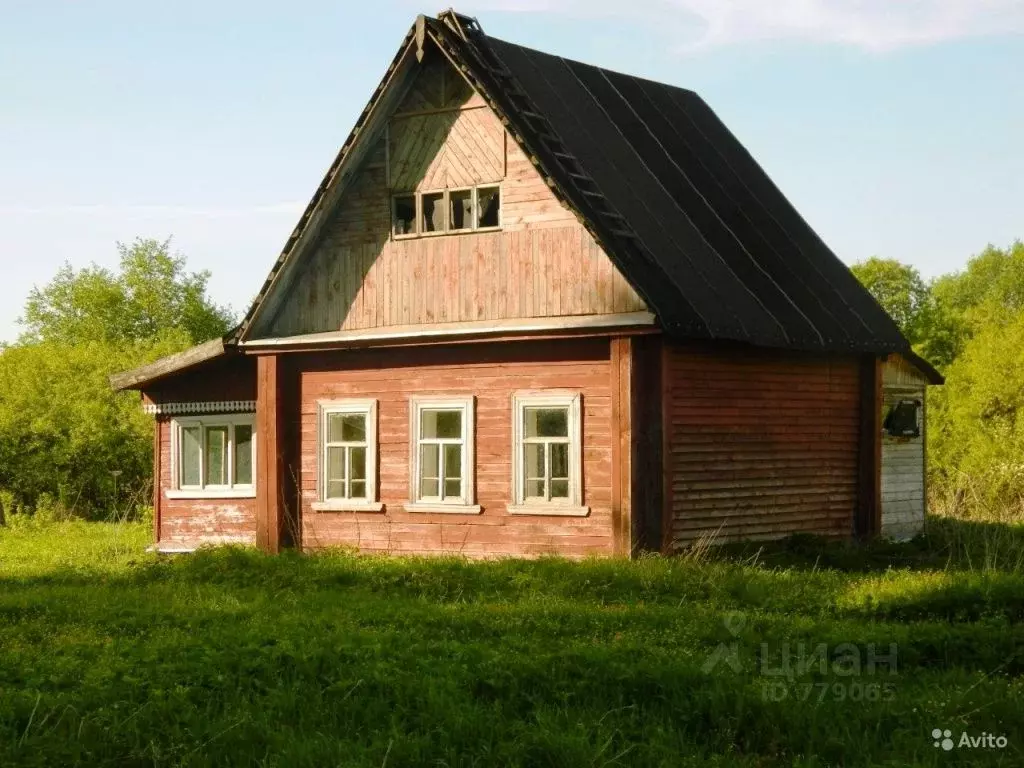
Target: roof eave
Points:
(144, 375)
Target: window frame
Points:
(466, 503)
(416, 215)
(232, 490)
(521, 504)
(476, 206)
(325, 408)
(445, 193)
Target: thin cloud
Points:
(874, 25)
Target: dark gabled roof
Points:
(677, 203)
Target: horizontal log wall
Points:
(490, 372)
(758, 445)
(192, 522)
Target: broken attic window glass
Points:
(460, 206)
(405, 215)
(488, 206)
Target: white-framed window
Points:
(213, 456)
(441, 455)
(347, 456)
(446, 211)
(547, 454)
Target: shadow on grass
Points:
(947, 544)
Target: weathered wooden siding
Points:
(229, 378)
(758, 445)
(490, 372)
(542, 263)
(190, 522)
(193, 522)
(903, 472)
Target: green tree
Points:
(900, 290)
(63, 431)
(150, 296)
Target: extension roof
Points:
(681, 208)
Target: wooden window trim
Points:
(202, 491)
(348, 405)
(446, 203)
(466, 503)
(573, 506)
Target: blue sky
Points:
(896, 128)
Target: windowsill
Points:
(561, 510)
(210, 493)
(339, 505)
(449, 509)
(454, 232)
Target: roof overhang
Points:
(137, 378)
(928, 370)
(548, 327)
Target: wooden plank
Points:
(869, 507)
(158, 427)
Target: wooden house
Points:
(534, 307)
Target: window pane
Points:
(353, 427)
(460, 208)
(429, 470)
(358, 489)
(335, 473)
(559, 489)
(560, 460)
(440, 424)
(534, 460)
(405, 215)
(190, 447)
(488, 204)
(433, 212)
(453, 461)
(546, 422)
(243, 454)
(216, 455)
(357, 463)
(534, 489)
(346, 427)
(452, 488)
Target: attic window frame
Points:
(446, 203)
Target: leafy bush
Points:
(63, 431)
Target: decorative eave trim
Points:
(207, 406)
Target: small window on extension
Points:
(404, 215)
(488, 207)
(433, 212)
(902, 419)
(460, 207)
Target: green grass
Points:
(109, 656)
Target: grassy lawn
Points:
(109, 656)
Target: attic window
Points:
(903, 420)
(433, 212)
(405, 215)
(453, 210)
(460, 209)
(488, 207)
